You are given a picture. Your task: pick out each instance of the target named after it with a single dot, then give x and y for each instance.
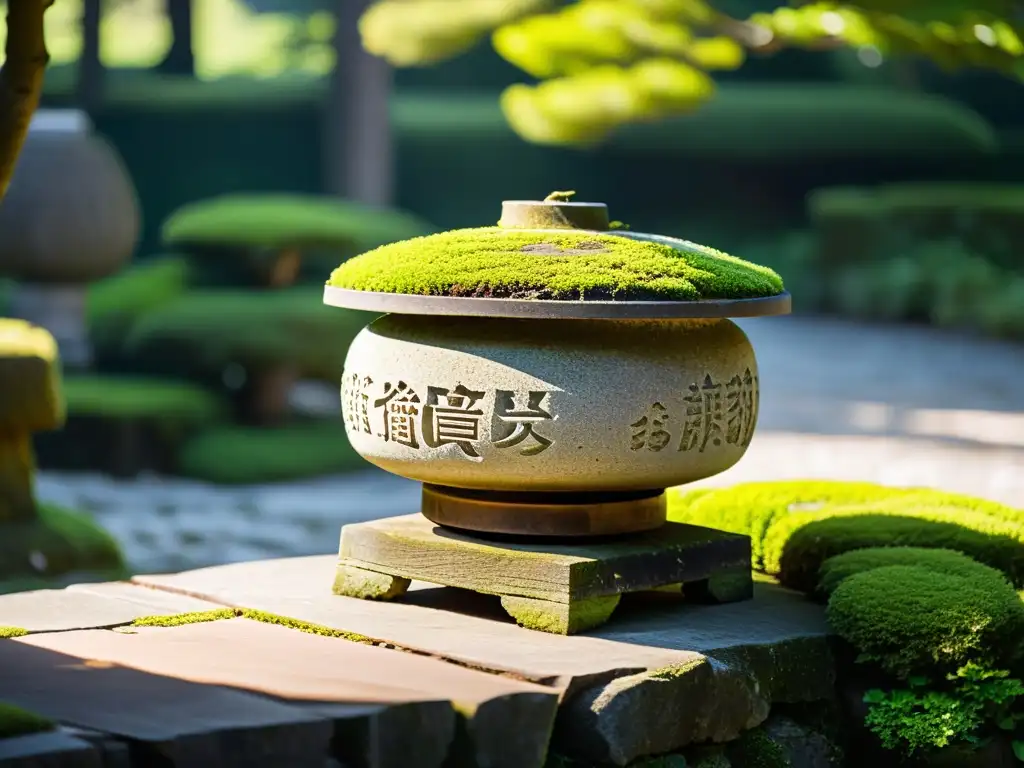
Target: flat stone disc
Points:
(548, 309)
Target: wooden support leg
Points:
(350, 581)
(726, 586)
(560, 618)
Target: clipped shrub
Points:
(911, 619)
(796, 546)
(750, 508)
(836, 570)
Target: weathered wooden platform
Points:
(293, 675)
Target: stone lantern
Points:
(546, 380)
(70, 217)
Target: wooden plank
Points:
(465, 627)
(508, 722)
(412, 547)
(91, 606)
(175, 722)
(54, 749)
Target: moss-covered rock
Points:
(749, 508)
(244, 455)
(30, 379)
(796, 545)
(836, 570)
(911, 619)
(559, 265)
(15, 721)
(57, 542)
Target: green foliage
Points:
(15, 721)
(287, 221)
(606, 63)
(515, 264)
(920, 718)
(750, 508)
(132, 397)
(836, 570)
(909, 619)
(233, 455)
(206, 330)
(756, 749)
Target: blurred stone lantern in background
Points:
(71, 216)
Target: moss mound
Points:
(238, 455)
(838, 569)
(134, 397)
(910, 618)
(561, 265)
(796, 546)
(204, 331)
(750, 508)
(15, 721)
(281, 221)
(69, 541)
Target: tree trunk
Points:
(17, 466)
(265, 396)
(358, 148)
(180, 59)
(21, 80)
(89, 89)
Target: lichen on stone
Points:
(569, 265)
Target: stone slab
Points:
(472, 629)
(54, 749)
(412, 547)
(90, 606)
(173, 722)
(508, 722)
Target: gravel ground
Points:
(898, 405)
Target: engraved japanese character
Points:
(401, 407)
(741, 408)
(449, 418)
(705, 416)
(356, 402)
(650, 430)
(518, 425)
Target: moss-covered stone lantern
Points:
(547, 377)
(70, 217)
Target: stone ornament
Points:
(560, 415)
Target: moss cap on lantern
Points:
(555, 252)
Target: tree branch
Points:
(21, 80)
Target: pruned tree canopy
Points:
(604, 63)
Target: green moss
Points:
(132, 397)
(749, 508)
(15, 721)
(796, 546)
(70, 541)
(566, 265)
(280, 221)
(755, 749)
(305, 626)
(12, 632)
(910, 619)
(30, 378)
(836, 570)
(206, 330)
(181, 619)
(233, 455)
